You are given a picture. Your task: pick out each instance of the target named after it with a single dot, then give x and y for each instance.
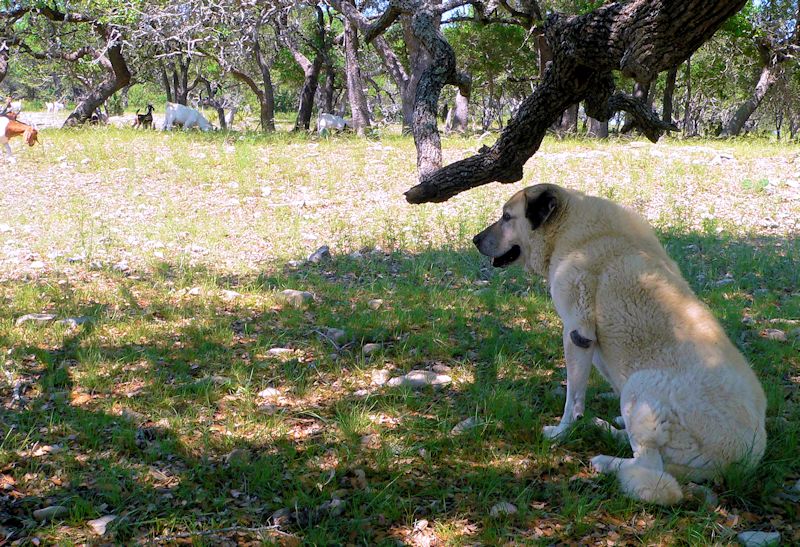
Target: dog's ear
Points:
(540, 208)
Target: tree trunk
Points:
(569, 121)
(327, 90)
(307, 94)
(267, 95)
(165, 83)
(597, 129)
(669, 93)
(641, 92)
(3, 63)
(461, 109)
(118, 78)
(419, 61)
(638, 38)
(687, 106)
(770, 72)
(355, 84)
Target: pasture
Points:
(190, 401)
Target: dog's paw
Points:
(603, 464)
(553, 432)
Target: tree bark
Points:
(640, 38)
(460, 118)
(641, 92)
(687, 106)
(669, 93)
(266, 98)
(118, 78)
(598, 129)
(568, 125)
(4, 55)
(355, 83)
(771, 71)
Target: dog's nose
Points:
(477, 240)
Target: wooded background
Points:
(471, 64)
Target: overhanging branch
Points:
(639, 38)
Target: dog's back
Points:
(662, 348)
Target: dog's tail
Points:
(649, 485)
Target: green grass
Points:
(154, 404)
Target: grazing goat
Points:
(328, 122)
(186, 117)
(55, 107)
(144, 120)
(11, 128)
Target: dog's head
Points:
(523, 232)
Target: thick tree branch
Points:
(639, 38)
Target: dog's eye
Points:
(506, 217)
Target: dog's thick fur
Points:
(690, 402)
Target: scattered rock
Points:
(748, 320)
(375, 303)
(380, 377)
(74, 322)
(121, 266)
(502, 508)
(753, 538)
(361, 393)
(420, 525)
(132, 415)
(336, 335)
(35, 317)
(724, 281)
(465, 425)
(417, 379)
(269, 393)
(296, 299)
(230, 295)
(281, 517)
(280, 352)
(99, 525)
(238, 456)
(52, 512)
(703, 494)
(323, 253)
(359, 479)
(356, 255)
(268, 409)
(369, 349)
(373, 440)
(46, 450)
(441, 368)
(774, 334)
(332, 508)
(216, 379)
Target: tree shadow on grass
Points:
(159, 414)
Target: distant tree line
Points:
(465, 64)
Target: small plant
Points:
(756, 186)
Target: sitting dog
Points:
(144, 120)
(690, 402)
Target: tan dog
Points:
(690, 402)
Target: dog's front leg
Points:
(578, 353)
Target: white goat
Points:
(330, 122)
(184, 116)
(14, 106)
(55, 107)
